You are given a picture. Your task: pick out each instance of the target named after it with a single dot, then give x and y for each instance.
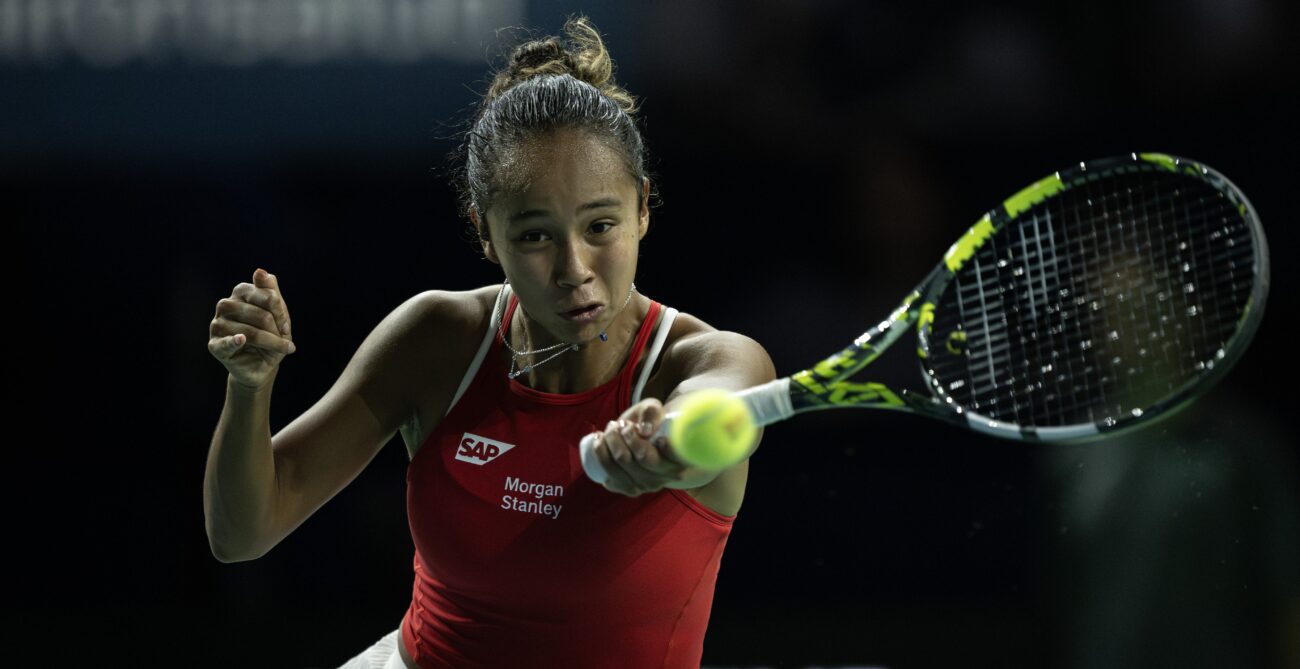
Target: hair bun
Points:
(539, 56)
(584, 57)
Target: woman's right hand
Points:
(250, 334)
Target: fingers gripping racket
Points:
(1098, 299)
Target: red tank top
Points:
(522, 561)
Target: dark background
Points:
(815, 159)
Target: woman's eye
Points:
(601, 226)
(533, 236)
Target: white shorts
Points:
(382, 655)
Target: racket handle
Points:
(767, 403)
(590, 463)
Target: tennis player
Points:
(520, 560)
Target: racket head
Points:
(1099, 299)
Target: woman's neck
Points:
(594, 363)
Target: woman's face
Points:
(567, 233)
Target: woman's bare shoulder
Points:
(435, 325)
(432, 339)
(691, 338)
(693, 346)
(686, 325)
(438, 312)
(448, 327)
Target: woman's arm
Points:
(258, 488)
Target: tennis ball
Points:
(713, 430)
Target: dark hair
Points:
(549, 84)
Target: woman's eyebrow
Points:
(529, 214)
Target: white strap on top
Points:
(665, 324)
(412, 432)
(497, 315)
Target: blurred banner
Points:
(244, 32)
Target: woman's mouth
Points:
(585, 314)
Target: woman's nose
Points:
(574, 267)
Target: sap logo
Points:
(478, 450)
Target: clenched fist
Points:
(250, 333)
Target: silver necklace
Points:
(566, 346)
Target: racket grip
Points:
(767, 403)
(590, 463)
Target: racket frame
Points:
(826, 385)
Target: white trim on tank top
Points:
(493, 326)
(665, 324)
(412, 433)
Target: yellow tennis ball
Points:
(714, 430)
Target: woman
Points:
(520, 559)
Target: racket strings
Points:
(1128, 286)
(1162, 303)
(1098, 302)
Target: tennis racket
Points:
(1099, 299)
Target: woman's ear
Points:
(480, 226)
(643, 225)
